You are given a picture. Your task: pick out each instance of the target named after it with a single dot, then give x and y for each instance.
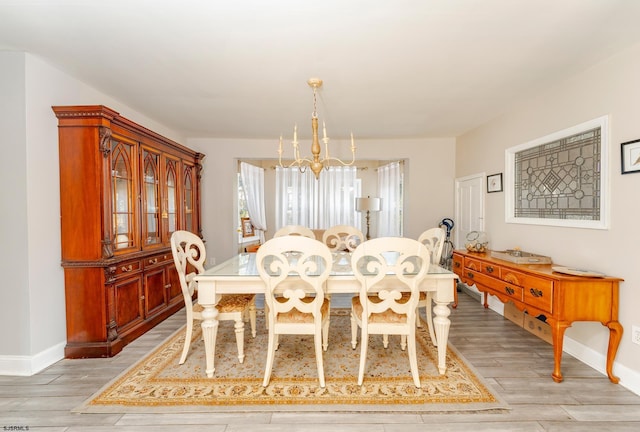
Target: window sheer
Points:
(317, 204)
(390, 191)
(253, 184)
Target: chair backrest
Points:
(375, 260)
(342, 238)
(292, 268)
(188, 249)
(298, 230)
(433, 239)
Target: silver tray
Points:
(520, 257)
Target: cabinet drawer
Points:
(539, 293)
(126, 268)
(158, 259)
(497, 286)
(482, 267)
(457, 264)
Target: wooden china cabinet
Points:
(123, 191)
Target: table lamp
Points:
(368, 205)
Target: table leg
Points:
(209, 333)
(441, 324)
(615, 336)
(557, 335)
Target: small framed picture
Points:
(247, 228)
(630, 156)
(494, 183)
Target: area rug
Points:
(158, 384)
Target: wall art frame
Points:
(630, 154)
(247, 227)
(561, 179)
(494, 183)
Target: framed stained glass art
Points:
(560, 179)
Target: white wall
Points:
(32, 294)
(610, 88)
(13, 196)
(429, 180)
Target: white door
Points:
(469, 207)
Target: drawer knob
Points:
(126, 269)
(509, 290)
(470, 275)
(489, 269)
(535, 292)
(456, 264)
(153, 261)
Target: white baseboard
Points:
(31, 365)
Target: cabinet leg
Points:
(557, 334)
(486, 298)
(615, 336)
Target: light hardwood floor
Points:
(517, 364)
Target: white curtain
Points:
(390, 192)
(317, 204)
(253, 184)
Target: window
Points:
(317, 204)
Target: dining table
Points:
(239, 275)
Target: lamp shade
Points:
(368, 204)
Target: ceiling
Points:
(391, 69)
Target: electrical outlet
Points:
(635, 334)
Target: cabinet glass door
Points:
(122, 203)
(170, 212)
(151, 198)
(188, 198)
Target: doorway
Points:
(469, 209)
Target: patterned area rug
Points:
(158, 384)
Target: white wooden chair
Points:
(433, 239)
(295, 230)
(189, 253)
(342, 238)
(294, 270)
(381, 307)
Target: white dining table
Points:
(239, 275)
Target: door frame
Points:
(458, 210)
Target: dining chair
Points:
(342, 238)
(299, 230)
(381, 306)
(433, 239)
(189, 253)
(294, 270)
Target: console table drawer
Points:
(483, 267)
(539, 294)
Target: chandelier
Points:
(316, 163)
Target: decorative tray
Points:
(576, 272)
(520, 257)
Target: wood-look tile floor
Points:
(517, 365)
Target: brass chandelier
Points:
(316, 163)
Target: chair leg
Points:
(363, 356)
(187, 341)
(413, 361)
(385, 340)
(270, 354)
(403, 342)
(317, 340)
(239, 327)
(354, 332)
(325, 334)
(429, 315)
(252, 317)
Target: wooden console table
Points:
(538, 290)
